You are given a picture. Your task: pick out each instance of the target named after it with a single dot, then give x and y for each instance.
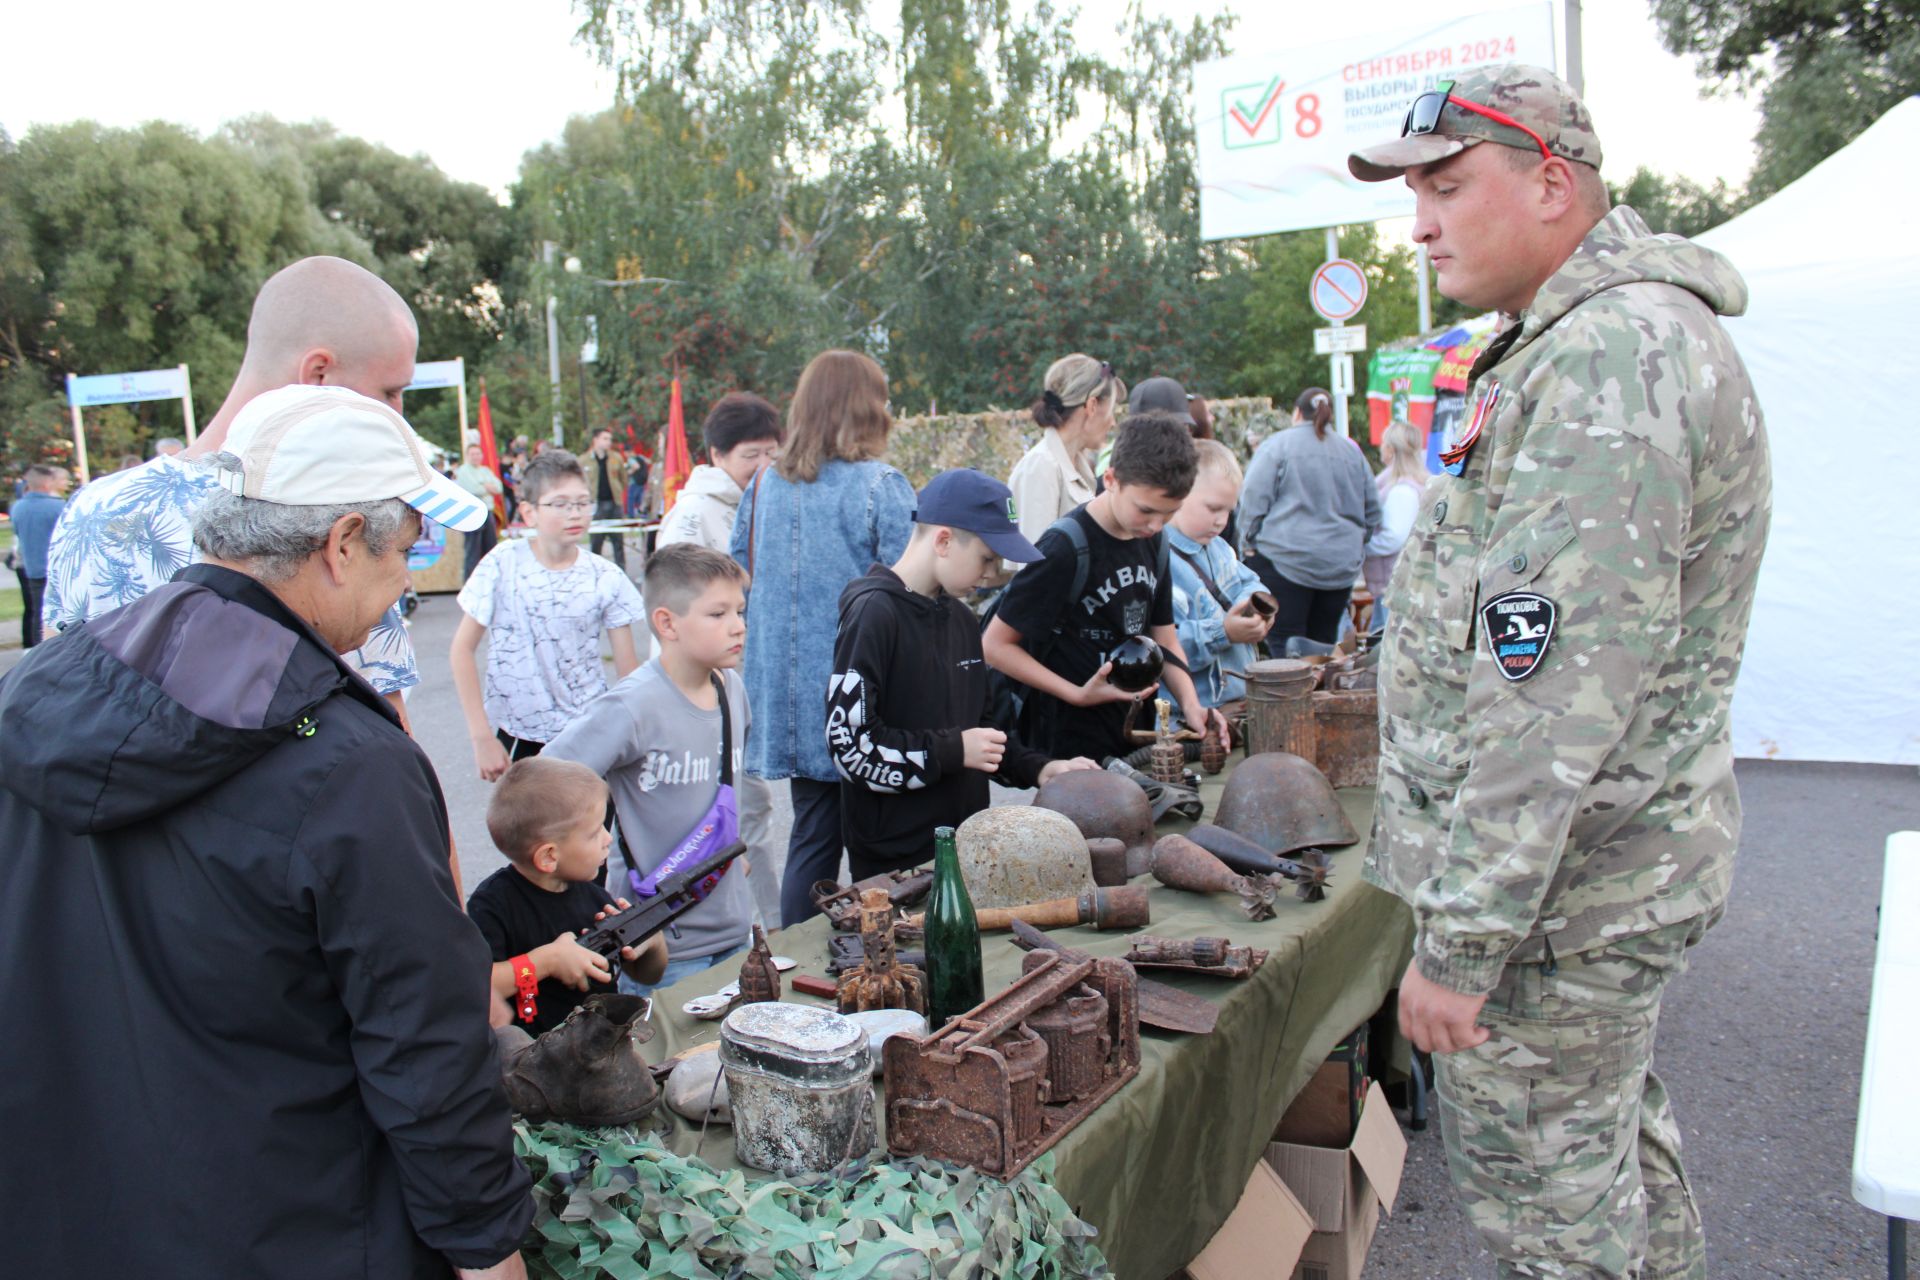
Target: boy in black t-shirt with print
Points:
(1072, 709)
(548, 817)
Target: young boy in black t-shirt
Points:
(1071, 708)
(549, 817)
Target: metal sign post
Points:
(1338, 291)
(125, 388)
(445, 373)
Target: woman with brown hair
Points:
(1076, 412)
(1308, 508)
(809, 524)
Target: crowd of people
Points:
(232, 879)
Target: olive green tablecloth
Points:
(1160, 1165)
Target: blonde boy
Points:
(1212, 591)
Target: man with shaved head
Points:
(320, 321)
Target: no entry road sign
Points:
(1339, 290)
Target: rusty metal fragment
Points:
(1179, 863)
(1003, 1082)
(1162, 1007)
(1218, 957)
(1309, 872)
(882, 982)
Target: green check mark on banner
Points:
(1248, 115)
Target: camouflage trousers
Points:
(1559, 1136)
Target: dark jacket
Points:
(908, 679)
(248, 1019)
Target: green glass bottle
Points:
(954, 982)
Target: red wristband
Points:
(526, 985)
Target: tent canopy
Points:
(1832, 667)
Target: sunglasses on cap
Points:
(1424, 115)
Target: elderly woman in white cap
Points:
(228, 879)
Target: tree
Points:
(1825, 69)
(1677, 204)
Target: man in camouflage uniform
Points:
(1556, 796)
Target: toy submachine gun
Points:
(672, 898)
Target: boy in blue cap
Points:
(907, 708)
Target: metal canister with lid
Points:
(1280, 707)
(800, 1080)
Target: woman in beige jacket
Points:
(1076, 413)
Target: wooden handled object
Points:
(1121, 907)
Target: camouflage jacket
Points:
(1568, 779)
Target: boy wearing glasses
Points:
(542, 603)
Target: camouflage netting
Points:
(923, 446)
(613, 1203)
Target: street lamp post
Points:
(548, 252)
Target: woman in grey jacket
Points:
(811, 523)
(1309, 507)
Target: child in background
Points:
(668, 741)
(907, 708)
(549, 818)
(1072, 709)
(542, 604)
(1212, 590)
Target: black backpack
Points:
(1007, 698)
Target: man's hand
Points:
(491, 757)
(511, 1267)
(1244, 626)
(1054, 768)
(1099, 689)
(983, 749)
(1435, 1019)
(567, 961)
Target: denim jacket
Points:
(810, 541)
(1201, 622)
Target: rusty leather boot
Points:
(586, 1071)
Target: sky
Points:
(474, 84)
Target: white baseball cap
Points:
(306, 446)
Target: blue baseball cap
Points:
(974, 501)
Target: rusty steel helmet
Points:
(1104, 804)
(1011, 855)
(1279, 800)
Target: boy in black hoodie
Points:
(907, 708)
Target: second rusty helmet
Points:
(1279, 800)
(1104, 804)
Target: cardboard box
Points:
(1261, 1239)
(1344, 1190)
(1327, 1112)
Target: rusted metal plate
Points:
(1347, 736)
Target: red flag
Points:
(678, 464)
(490, 451)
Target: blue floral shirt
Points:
(124, 534)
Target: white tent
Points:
(1833, 658)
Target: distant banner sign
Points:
(1274, 129)
(126, 388)
(438, 373)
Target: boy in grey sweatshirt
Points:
(658, 736)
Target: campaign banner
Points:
(1400, 385)
(1274, 129)
(126, 388)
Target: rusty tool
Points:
(1161, 1006)
(1121, 907)
(1217, 957)
(840, 903)
(1179, 863)
(1309, 872)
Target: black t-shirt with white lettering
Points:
(515, 915)
(1123, 596)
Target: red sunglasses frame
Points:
(1498, 117)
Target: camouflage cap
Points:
(1534, 96)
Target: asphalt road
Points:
(1759, 1043)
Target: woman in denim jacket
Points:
(811, 523)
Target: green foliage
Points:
(609, 1203)
(1825, 69)
(1677, 204)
